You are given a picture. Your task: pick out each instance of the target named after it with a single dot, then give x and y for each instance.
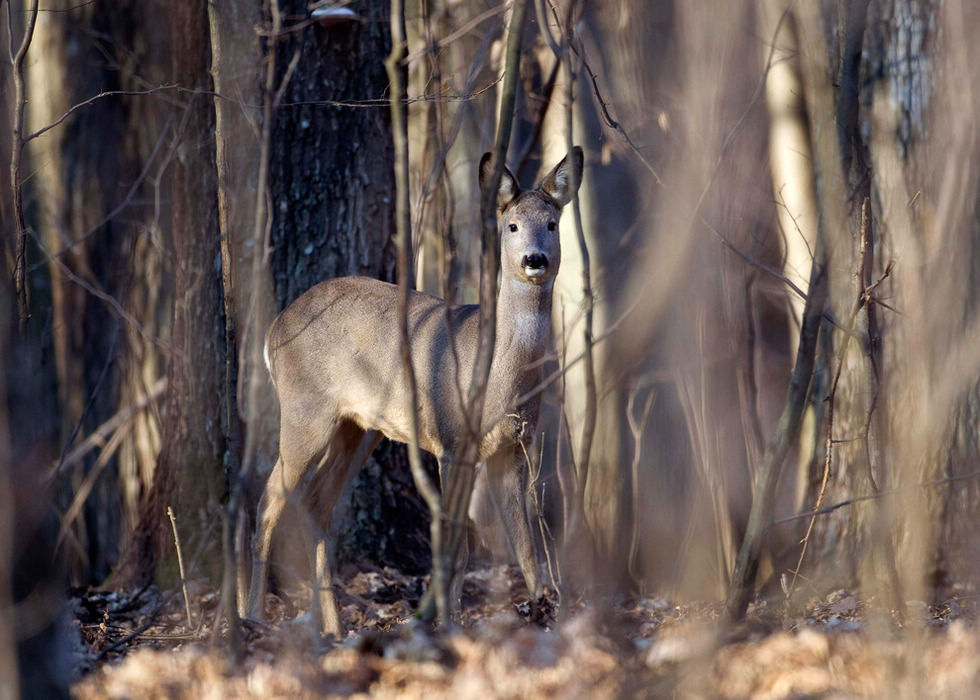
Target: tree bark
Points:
(189, 475)
(909, 392)
(331, 179)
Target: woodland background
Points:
(781, 207)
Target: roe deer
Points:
(334, 356)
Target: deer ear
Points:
(562, 182)
(508, 183)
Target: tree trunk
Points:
(189, 475)
(908, 411)
(331, 180)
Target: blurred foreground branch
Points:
(764, 485)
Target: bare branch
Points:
(875, 496)
(607, 117)
(461, 31)
(764, 486)
(637, 429)
(96, 98)
(109, 300)
(16, 153)
(140, 179)
(403, 222)
(831, 400)
(827, 315)
(99, 436)
(180, 566)
(459, 483)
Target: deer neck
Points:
(523, 326)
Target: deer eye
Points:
(513, 227)
(551, 225)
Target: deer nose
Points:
(534, 261)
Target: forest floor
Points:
(841, 646)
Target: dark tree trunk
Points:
(331, 170)
(332, 191)
(33, 620)
(90, 203)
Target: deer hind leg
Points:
(344, 457)
(299, 447)
(507, 479)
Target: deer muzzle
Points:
(534, 265)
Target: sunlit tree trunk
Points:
(795, 197)
(33, 628)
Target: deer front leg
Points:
(507, 478)
(324, 599)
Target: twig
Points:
(117, 209)
(538, 119)
(566, 475)
(284, 83)
(753, 262)
(463, 29)
(534, 478)
(16, 153)
(371, 103)
(828, 316)
(781, 204)
(828, 452)
(832, 394)
(382, 102)
(110, 357)
(99, 436)
(403, 222)
(150, 619)
(580, 52)
(607, 117)
(70, 8)
(733, 132)
(748, 384)
(637, 428)
(563, 56)
(589, 419)
(764, 486)
(180, 567)
(110, 300)
(439, 170)
(459, 483)
(89, 482)
(95, 98)
(873, 496)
